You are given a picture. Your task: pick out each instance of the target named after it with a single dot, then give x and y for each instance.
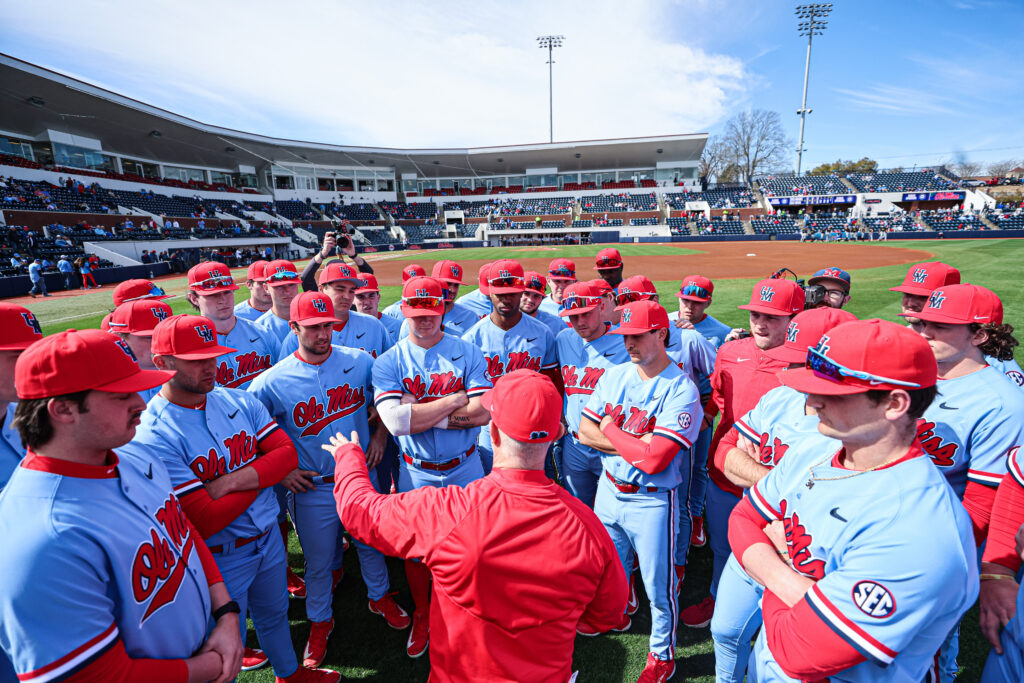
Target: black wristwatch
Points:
(229, 607)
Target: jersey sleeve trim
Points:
(674, 436)
(74, 660)
(477, 391)
(187, 487)
(588, 413)
(385, 395)
(846, 629)
(266, 431)
(549, 366)
(1015, 470)
(744, 429)
(762, 506)
(986, 478)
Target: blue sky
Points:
(905, 81)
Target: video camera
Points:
(814, 295)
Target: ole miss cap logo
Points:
(936, 299)
(792, 331)
(422, 293)
(319, 305)
(767, 293)
(31, 321)
(538, 434)
(455, 270)
(920, 275)
(121, 344)
(824, 344)
(627, 315)
(205, 333)
(159, 312)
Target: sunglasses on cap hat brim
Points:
(576, 304)
(505, 285)
(282, 277)
(212, 282)
(628, 297)
(826, 368)
(608, 263)
(692, 291)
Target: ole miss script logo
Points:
(159, 565)
(311, 416)
(942, 452)
(441, 384)
(575, 384)
(241, 449)
(798, 542)
(770, 451)
(248, 366)
(636, 422)
(517, 360)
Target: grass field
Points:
(363, 648)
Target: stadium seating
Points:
(468, 229)
(574, 187)
(718, 226)
(900, 182)
(643, 221)
(470, 209)
(354, 212)
(898, 223)
(377, 236)
(774, 225)
(678, 226)
(728, 198)
(295, 210)
(583, 223)
(533, 207)
(618, 203)
(950, 220)
(403, 211)
(781, 186)
(419, 233)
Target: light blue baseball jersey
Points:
(394, 311)
(890, 591)
(548, 305)
(274, 329)
(148, 394)
(314, 402)
(449, 366)
(11, 448)
(476, 302)
(554, 323)
(666, 405)
(778, 422)
(461, 316)
(245, 311)
(391, 324)
(582, 364)
(971, 425)
(361, 331)
(91, 555)
(1010, 368)
(253, 354)
(694, 354)
(199, 445)
(446, 327)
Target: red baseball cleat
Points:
(336, 576)
(680, 575)
(657, 670)
(419, 636)
(396, 617)
(634, 602)
(253, 659)
(304, 675)
(316, 646)
(296, 586)
(698, 539)
(699, 615)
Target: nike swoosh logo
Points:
(740, 360)
(981, 317)
(149, 472)
(835, 513)
(349, 370)
(945, 407)
(360, 336)
(254, 339)
(608, 355)
(232, 415)
(457, 357)
(532, 339)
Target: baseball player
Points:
(310, 393)
(608, 264)
(510, 340)
(694, 298)
(478, 300)
(533, 294)
(644, 416)
(607, 294)
(854, 590)
(282, 283)
(20, 329)
(561, 274)
(339, 245)
(338, 282)
(447, 326)
(368, 302)
(134, 323)
(427, 392)
(836, 282)
(224, 453)
(211, 291)
(449, 273)
(410, 271)
(123, 588)
(258, 302)
(757, 442)
(743, 374)
(130, 290)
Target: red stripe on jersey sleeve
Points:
(746, 527)
(846, 629)
(75, 659)
(1007, 517)
(115, 666)
(763, 507)
(799, 644)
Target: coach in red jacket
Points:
(518, 563)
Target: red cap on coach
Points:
(311, 308)
(804, 331)
(562, 269)
(340, 271)
(422, 296)
(256, 271)
(19, 327)
(696, 288)
(139, 317)
(862, 355)
(641, 316)
(210, 277)
(923, 278)
(776, 297)
(607, 259)
(525, 405)
(412, 270)
(130, 290)
(189, 337)
(447, 271)
(962, 305)
(369, 283)
(80, 360)
(505, 277)
(534, 281)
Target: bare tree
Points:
(756, 141)
(713, 159)
(1001, 168)
(965, 168)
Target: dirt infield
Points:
(715, 260)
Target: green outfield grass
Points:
(363, 648)
(585, 251)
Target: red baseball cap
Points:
(422, 296)
(635, 288)
(641, 316)
(579, 297)
(448, 271)
(696, 288)
(256, 273)
(19, 328)
(80, 360)
(601, 286)
(369, 283)
(562, 269)
(338, 271)
(776, 297)
(961, 305)
(210, 277)
(526, 406)
(505, 277)
(607, 259)
(534, 281)
(130, 290)
(923, 278)
(312, 308)
(412, 270)
(189, 337)
(862, 355)
(804, 331)
(105, 323)
(481, 279)
(139, 317)
(281, 272)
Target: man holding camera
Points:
(836, 285)
(340, 245)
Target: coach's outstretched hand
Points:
(337, 441)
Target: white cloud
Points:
(397, 73)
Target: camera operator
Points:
(342, 246)
(833, 285)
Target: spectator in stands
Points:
(17, 261)
(836, 282)
(35, 274)
(329, 248)
(66, 270)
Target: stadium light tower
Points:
(550, 42)
(812, 23)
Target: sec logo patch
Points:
(1016, 378)
(874, 599)
(683, 420)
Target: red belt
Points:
(439, 466)
(626, 487)
(238, 542)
